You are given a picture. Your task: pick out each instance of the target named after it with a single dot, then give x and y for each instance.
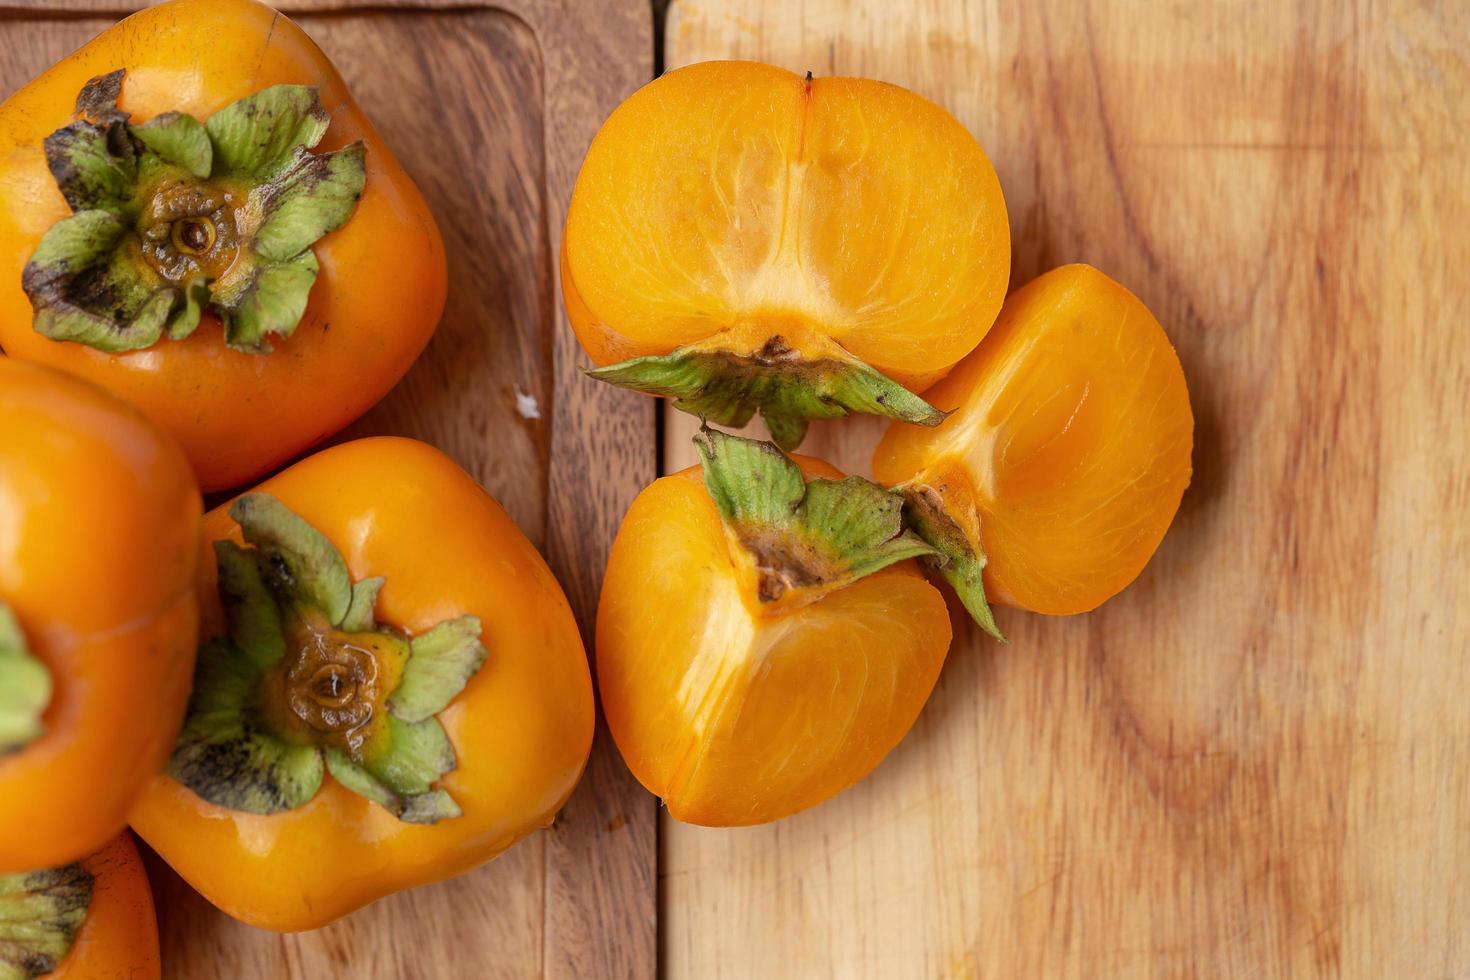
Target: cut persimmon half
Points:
(764, 637)
(741, 238)
(1065, 453)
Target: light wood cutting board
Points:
(523, 85)
(1256, 761)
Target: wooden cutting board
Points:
(1256, 761)
(524, 85)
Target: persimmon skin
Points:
(736, 712)
(522, 727)
(736, 196)
(376, 301)
(99, 536)
(1069, 448)
(119, 937)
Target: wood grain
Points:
(524, 86)
(1253, 762)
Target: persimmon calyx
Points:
(40, 915)
(173, 216)
(803, 536)
(727, 386)
(25, 687)
(306, 682)
(955, 558)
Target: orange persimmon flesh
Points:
(1069, 444)
(738, 198)
(736, 711)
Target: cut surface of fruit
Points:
(738, 198)
(1069, 444)
(737, 711)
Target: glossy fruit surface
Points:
(119, 937)
(1069, 444)
(373, 305)
(737, 711)
(99, 540)
(730, 203)
(520, 729)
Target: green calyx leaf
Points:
(955, 558)
(264, 300)
(257, 135)
(303, 566)
(179, 140)
(25, 687)
(86, 289)
(359, 618)
(174, 217)
(314, 195)
(41, 913)
(441, 662)
(306, 681)
(399, 769)
(802, 533)
(728, 388)
(225, 754)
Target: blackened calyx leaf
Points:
(41, 913)
(97, 101)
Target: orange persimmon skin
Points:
(736, 714)
(99, 538)
(1069, 447)
(522, 727)
(738, 197)
(119, 937)
(376, 300)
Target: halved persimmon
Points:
(763, 638)
(1066, 455)
(741, 238)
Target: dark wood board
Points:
(524, 84)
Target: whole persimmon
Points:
(87, 920)
(764, 637)
(1064, 456)
(99, 536)
(741, 238)
(196, 215)
(391, 690)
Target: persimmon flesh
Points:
(1068, 447)
(739, 707)
(736, 208)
